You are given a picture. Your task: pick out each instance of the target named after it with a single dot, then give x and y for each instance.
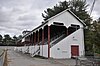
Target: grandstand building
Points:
(61, 36)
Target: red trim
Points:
(48, 41)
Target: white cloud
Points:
(95, 15)
(18, 15)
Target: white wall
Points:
(36, 48)
(66, 18)
(41, 50)
(63, 48)
(24, 49)
(45, 50)
(31, 49)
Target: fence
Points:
(3, 58)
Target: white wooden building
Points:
(61, 36)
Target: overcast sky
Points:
(19, 15)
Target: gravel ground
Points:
(19, 59)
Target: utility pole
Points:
(92, 7)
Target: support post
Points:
(38, 42)
(48, 42)
(31, 39)
(34, 38)
(38, 37)
(66, 31)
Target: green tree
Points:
(1, 39)
(96, 34)
(19, 37)
(14, 39)
(7, 39)
(79, 8)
